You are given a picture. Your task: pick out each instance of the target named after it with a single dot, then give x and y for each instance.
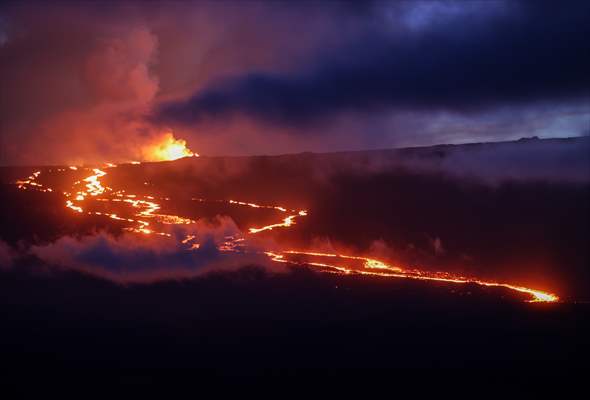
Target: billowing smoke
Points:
(78, 78)
(85, 82)
(119, 67)
(74, 87)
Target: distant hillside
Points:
(565, 159)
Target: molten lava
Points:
(145, 219)
(167, 149)
(369, 265)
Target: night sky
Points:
(94, 81)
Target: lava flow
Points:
(88, 193)
(375, 267)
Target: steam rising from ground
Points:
(146, 258)
(6, 255)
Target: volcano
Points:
(379, 236)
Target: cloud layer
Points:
(531, 52)
(132, 258)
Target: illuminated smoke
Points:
(6, 255)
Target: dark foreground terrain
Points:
(249, 320)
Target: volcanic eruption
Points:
(141, 214)
(285, 184)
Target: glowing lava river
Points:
(141, 214)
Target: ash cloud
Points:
(73, 90)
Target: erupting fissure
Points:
(145, 219)
(167, 149)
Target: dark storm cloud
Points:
(84, 82)
(532, 51)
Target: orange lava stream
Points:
(253, 205)
(30, 181)
(286, 222)
(146, 208)
(94, 187)
(385, 270)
